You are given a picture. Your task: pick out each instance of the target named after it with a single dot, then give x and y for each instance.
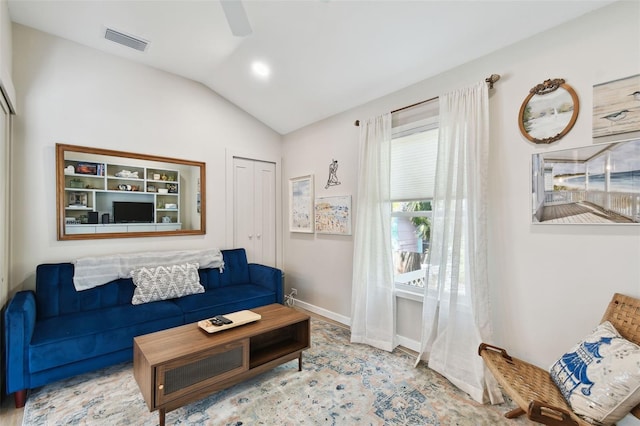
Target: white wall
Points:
(8, 95)
(72, 94)
(6, 82)
(550, 283)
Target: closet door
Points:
(255, 209)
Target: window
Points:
(414, 149)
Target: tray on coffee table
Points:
(236, 318)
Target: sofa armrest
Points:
(269, 277)
(19, 322)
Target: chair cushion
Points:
(165, 282)
(600, 376)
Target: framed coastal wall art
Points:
(301, 204)
(595, 184)
(333, 215)
(616, 107)
(549, 111)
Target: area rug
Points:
(340, 384)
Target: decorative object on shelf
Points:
(77, 199)
(156, 176)
(333, 215)
(333, 178)
(69, 170)
(151, 188)
(594, 184)
(87, 169)
(173, 188)
(549, 111)
(166, 219)
(128, 174)
(198, 198)
(76, 183)
(170, 206)
(301, 204)
(124, 187)
(616, 107)
(163, 191)
(163, 177)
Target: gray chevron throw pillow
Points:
(165, 282)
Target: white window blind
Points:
(413, 166)
(414, 150)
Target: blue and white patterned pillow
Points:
(600, 376)
(165, 282)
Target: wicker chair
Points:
(531, 387)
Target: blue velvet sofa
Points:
(58, 332)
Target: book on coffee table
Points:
(236, 318)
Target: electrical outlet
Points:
(294, 291)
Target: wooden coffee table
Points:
(184, 364)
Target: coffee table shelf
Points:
(181, 365)
(270, 353)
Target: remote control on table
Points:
(216, 322)
(223, 319)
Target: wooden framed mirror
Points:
(549, 111)
(102, 193)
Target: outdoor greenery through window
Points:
(414, 150)
(410, 233)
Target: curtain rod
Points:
(489, 80)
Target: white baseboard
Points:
(325, 313)
(414, 345)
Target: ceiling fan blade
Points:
(236, 17)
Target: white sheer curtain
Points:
(456, 306)
(372, 301)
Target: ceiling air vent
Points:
(126, 40)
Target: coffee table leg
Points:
(300, 362)
(161, 413)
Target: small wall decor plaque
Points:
(549, 111)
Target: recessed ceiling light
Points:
(260, 69)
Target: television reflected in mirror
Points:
(132, 212)
(595, 184)
(137, 195)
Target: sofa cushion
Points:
(600, 376)
(165, 282)
(74, 337)
(56, 295)
(223, 301)
(236, 270)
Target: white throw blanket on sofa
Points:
(91, 272)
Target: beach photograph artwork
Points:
(333, 215)
(595, 184)
(616, 107)
(301, 204)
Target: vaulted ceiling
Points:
(325, 56)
